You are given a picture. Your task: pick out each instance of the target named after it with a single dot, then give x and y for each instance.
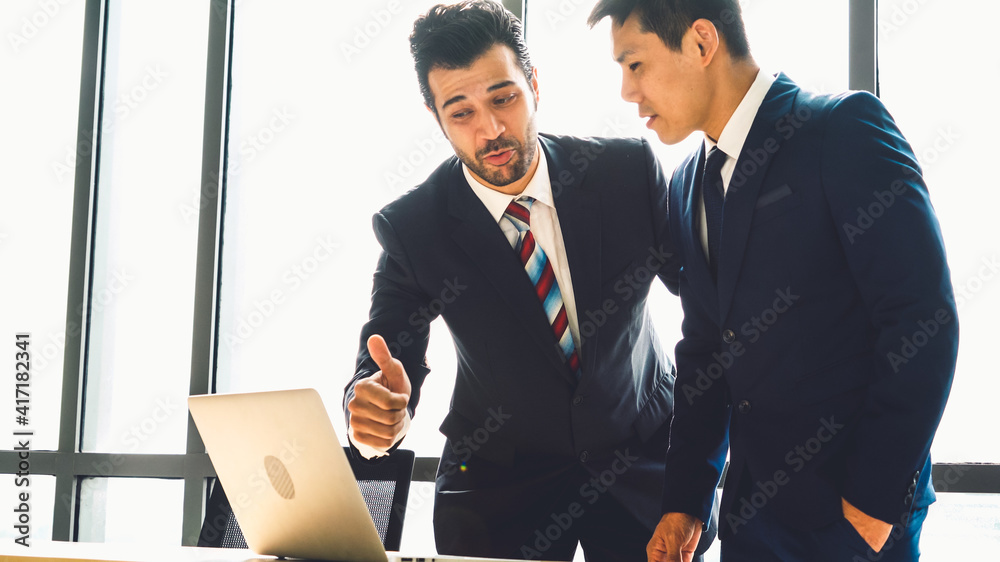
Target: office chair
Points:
(384, 484)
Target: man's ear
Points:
(706, 37)
(534, 84)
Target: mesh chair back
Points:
(384, 484)
(220, 528)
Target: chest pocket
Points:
(775, 202)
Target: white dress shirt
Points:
(733, 136)
(544, 227)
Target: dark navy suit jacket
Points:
(825, 353)
(518, 418)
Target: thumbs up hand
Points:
(378, 410)
(391, 375)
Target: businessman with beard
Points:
(538, 251)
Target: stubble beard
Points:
(514, 169)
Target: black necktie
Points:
(715, 198)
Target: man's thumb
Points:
(392, 370)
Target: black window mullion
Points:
(80, 280)
(204, 336)
(518, 8)
(862, 51)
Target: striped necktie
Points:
(539, 271)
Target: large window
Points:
(327, 126)
(144, 259)
(152, 194)
(38, 157)
(40, 57)
(945, 106)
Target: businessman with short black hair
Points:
(820, 331)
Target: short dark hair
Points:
(670, 19)
(454, 36)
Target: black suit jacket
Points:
(825, 353)
(516, 407)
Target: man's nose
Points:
(491, 126)
(630, 92)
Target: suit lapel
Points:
(579, 215)
(479, 236)
(744, 187)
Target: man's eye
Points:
(633, 66)
(461, 114)
(505, 100)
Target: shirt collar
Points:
(734, 134)
(539, 188)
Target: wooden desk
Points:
(58, 551)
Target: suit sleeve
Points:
(699, 430)
(893, 246)
(398, 313)
(660, 206)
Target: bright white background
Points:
(144, 260)
(328, 126)
(40, 62)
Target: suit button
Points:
(908, 500)
(578, 400)
(744, 407)
(728, 336)
(584, 456)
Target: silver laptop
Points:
(287, 478)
